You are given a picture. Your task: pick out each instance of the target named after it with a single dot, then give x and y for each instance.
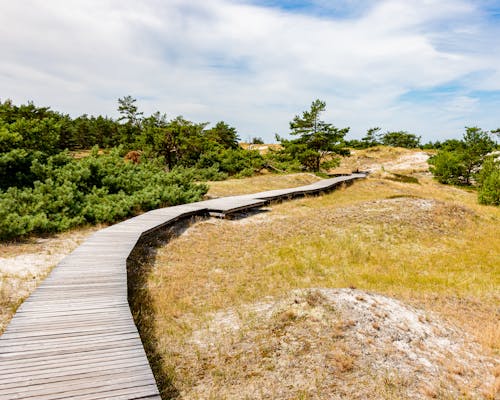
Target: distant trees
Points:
(373, 138)
(401, 139)
(317, 141)
(129, 111)
(223, 135)
(257, 140)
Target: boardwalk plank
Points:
(41, 363)
(61, 390)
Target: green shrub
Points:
(489, 182)
(448, 167)
(95, 189)
(230, 161)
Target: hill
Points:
(385, 289)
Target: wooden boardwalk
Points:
(75, 338)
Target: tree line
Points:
(142, 162)
(46, 187)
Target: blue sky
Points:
(426, 66)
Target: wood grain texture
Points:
(75, 337)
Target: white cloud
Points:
(252, 66)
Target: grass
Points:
(259, 183)
(429, 245)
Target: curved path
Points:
(75, 337)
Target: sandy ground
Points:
(387, 160)
(335, 344)
(416, 161)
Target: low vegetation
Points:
(428, 245)
(95, 189)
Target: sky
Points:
(429, 67)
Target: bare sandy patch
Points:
(378, 160)
(331, 343)
(416, 162)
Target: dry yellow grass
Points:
(259, 183)
(426, 244)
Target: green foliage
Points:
(447, 167)
(355, 144)
(98, 188)
(257, 140)
(223, 135)
(374, 138)
(477, 144)
(458, 161)
(211, 173)
(316, 138)
(179, 141)
(86, 132)
(371, 139)
(400, 139)
(231, 161)
(129, 111)
(448, 145)
(489, 182)
(44, 189)
(282, 161)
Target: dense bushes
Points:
(458, 162)
(43, 188)
(98, 188)
(448, 168)
(237, 162)
(466, 162)
(489, 182)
